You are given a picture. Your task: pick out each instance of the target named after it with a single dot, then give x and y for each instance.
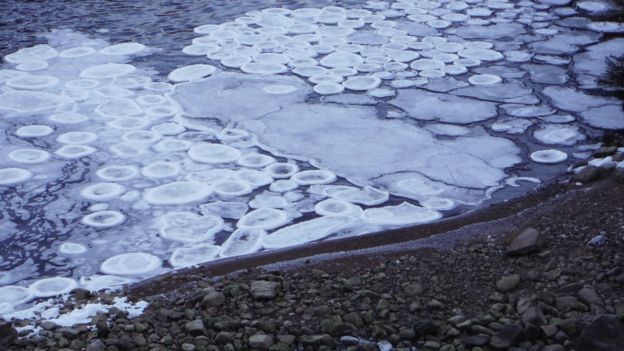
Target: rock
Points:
(508, 283)
(425, 327)
(188, 347)
(554, 347)
(353, 318)
(569, 303)
(224, 337)
(81, 294)
(7, 333)
(589, 296)
(429, 345)
(261, 341)
(263, 290)
(508, 336)
(213, 299)
(476, 340)
(587, 175)
(286, 339)
(597, 241)
(533, 315)
(317, 340)
(604, 333)
(195, 327)
(529, 240)
(96, 345)
(413, 289)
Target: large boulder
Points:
(529, 240)
(605, 333)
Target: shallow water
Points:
(395, 144)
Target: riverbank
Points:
(457, 290)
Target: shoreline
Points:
(445, 291)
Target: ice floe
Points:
(55, 286)
(304, 232)
(549, 156)
(132, 263)
(177, 193)
(242, 242)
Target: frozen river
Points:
(138, 138)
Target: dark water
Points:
(167, 25)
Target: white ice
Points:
(190, 256)
(263, 218)
(242, 242)
(132, 263)
(177, 193)
(304, 232)
(48, 287)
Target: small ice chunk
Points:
(32, 82)
(367, 196)
(128, 123)
(263, 218)
(34, 131)
(481, 54)
(123, 49)
(168, 128)
(117, 173)
(79, 51)
(231, 210)
(549, 156)
(68, 118)
(72, 249)
(178, 193)
(14, 176)
(172, 145)
(255, 160)
(104, 219)
(191, 72)
(269, 200)
(32, 101)
(557, 134)
(189, 227)
(328, 88)
(362, 83)
(161, 170)
(334, 207)
(341, 59)
(190, 256)
(55, 286)
(29, 156)
(15, 295)
(77, 137)
(264, 68)
(122, 107)
(439, 203)
(102, 191)
(213, 153)
(74, 151)
(305, 232)
(283, 185)
(107, 70)
(427, 64)
(403, 214)
(231, 188)
(314, 176)
(254, 177)
(484, 79)
(242, 242)
(41, 52)
(132, 263)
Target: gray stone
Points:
(7, 333)
(508, 336)
(529, 240)
(261, 341)
(554, 347)
(263, 290)
(533, 315)
(604, 333)
(476, 340)
(508, 283)
(96, 345)
(195, 327)
(589, 296)
(213, 298)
